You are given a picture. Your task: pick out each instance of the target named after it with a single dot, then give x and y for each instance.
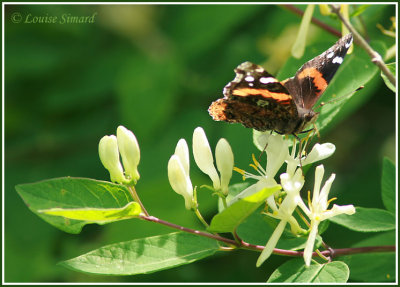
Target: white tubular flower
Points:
(318, 212)
(273, 240)
(180, 180)
(277, 152)
(224, 160)
(292, 185)
(318, 152)
(203, 156)
(109, 157)
(130, 152)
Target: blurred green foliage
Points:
(156, 69)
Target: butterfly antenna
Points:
(340, 98)
(259, 157)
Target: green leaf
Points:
(392, 69)
(295, 271)
(72, 193)
(145, 255)
(234, 190)
(358, 10)
(99, 215)
(367, 220)
(381, 266)
(231, 217)
(388, 184)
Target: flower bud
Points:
(130, 152)
(224, 160)
(180, 181)
(182, 151)
(203, 156)
(109, 156)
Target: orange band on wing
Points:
(318, 79)
(279, 97)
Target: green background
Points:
(155, 69)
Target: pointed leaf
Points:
(295, 271)
(72, 193)
(145, 255)
(367, 220)
(233, 215)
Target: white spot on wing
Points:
(330, 55)
(249, 79)
(267, 80)
(337, 60)
(347, 45)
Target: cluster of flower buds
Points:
(178, 166)
(126, 145)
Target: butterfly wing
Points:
(255, 99)
(312, 79)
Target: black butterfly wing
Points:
(312, 79)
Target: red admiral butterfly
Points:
(257, 100)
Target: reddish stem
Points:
(317, 22)
(329, 252)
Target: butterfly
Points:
(258, 100)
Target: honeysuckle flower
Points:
(178, 174)
(292, 185)
(182, 151)
(277, 152)
(318, 212)
(203, 156)
(110, 148)
(130, 152)
(224, 160)
(109, 157)
(318, 152)
(205, 161)
(178, 166)
(277, 149)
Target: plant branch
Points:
(189, 230)
(314, 20)
(375, 57)
(135, 196)
(241, 244)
